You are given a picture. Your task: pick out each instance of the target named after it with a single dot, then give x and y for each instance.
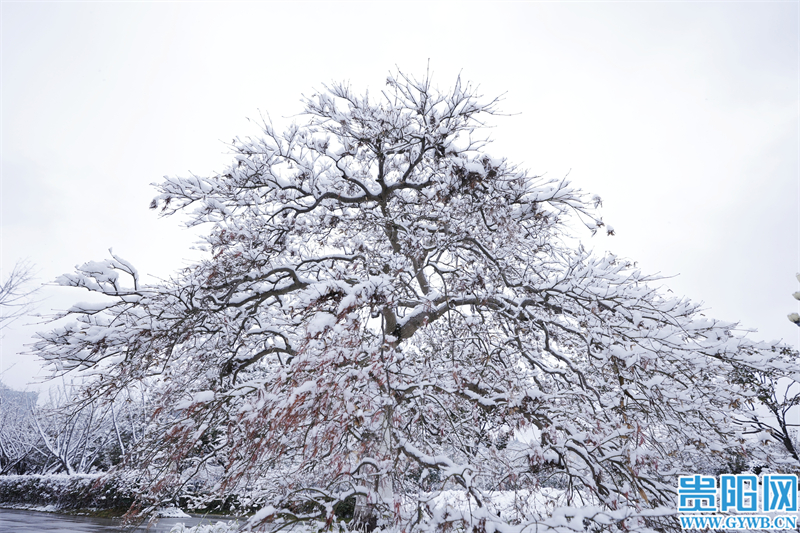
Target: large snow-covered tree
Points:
(390, 315)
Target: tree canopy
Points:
(387, 314)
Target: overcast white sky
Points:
(683, 116)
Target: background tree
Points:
(18, 450)
(385, 310)
(64, 434)
(16, 293)
(72, 439)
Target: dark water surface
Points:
(13, 521)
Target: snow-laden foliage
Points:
(388, 314)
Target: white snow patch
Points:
(320, 322)
(171, 512)
(262, 514)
